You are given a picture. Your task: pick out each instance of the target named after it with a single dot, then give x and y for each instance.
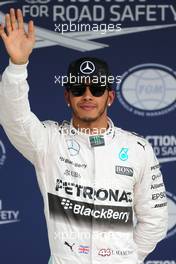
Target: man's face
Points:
(87, 107)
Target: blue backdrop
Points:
(142, 52)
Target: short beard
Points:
(89, 120)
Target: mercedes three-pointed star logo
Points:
(87, 67)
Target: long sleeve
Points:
(22, 127)
(150, 206)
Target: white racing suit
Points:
(93, 187)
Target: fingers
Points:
(8, 24)
(20, 19)
(31, 30)
(2, 32)
(13, 19)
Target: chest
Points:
(104, 172)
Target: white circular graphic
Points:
(149, 87)
(172, 214)
(73, 147)
(87, 67)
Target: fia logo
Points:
(123, 155)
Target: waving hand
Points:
(18, 43)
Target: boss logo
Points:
(124, 171)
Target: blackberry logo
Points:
(82, 212)
(66, 204)
(102, 213)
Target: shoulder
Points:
(133, 138)
(50, 123)
(54, 126)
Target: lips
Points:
(87, 107)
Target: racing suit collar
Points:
(103, 138)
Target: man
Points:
(93, 184)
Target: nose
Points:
(87, 94)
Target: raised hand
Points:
(18, 43)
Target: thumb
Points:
(31, 29)
(2, 33)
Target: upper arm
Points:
(23, 128)
(150, 189)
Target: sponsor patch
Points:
(97, 141)
(84, 249)
(155, 167)
(90, 193)
(157, 185)
(160, 205)
(64, 209)
(123, 155)
(126, 171)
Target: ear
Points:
(67, 97)
(111, 96)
